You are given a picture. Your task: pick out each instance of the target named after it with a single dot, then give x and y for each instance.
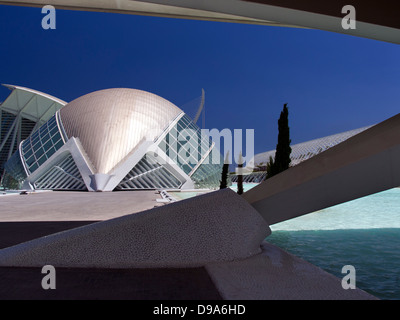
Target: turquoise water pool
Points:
(364, 233)
(246, 186)
(374, 253)
(377, 211)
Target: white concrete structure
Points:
(221, 230)
(372, 22)
(120, 139)
(364, 164)
(24, 111)
(181, 234)
(227, 240)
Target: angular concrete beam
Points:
(366, 163)
(187, 233)
(275, 274)
(138, 8)
(323, 15)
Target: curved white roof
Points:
(323, 15)
(111, 123)
(31, 104)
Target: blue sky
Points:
(331, 82)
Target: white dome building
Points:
(117, 139)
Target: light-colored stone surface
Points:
(74, 206)
(219, 226)
(276, 274)
(217, 230)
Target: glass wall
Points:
(41, 145)
(7, 120)
(15, 167)
(208, 174)
(9, 124)
(186, 146)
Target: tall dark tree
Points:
(283, 150)
(270, 167)
(225, 173)
(240, 175)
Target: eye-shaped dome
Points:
(111, 123)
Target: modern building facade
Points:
(24, 111)
(116, 139)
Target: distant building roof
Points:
(305, 150)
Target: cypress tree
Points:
(270, 167)
(282, 154)
(240, 176)
(224, 174)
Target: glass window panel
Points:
(56, 136)
(173, 150)
(172, 154)
(25, 147)
(173, 136)
(185, 119)
(45, 138)
(53, 131)
(28, 153)
(192, 126)
(187, 150)
(48, 145)
(186, 168)
(33, 167)
(42, 132)
(184, 136)
(42, 160)
(55, 139)
(180, 126)
(52, 123)
(36, 146)
(180, 123)
(34, 141)
(194, 143)
(163, 145)
(50, 152)
(39, 152)
(35, 134)
(184, 156)
(193, 161)
(59, 144)
(30, 160)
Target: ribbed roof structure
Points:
(31, 104)
(111, 123)
(305, 150)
